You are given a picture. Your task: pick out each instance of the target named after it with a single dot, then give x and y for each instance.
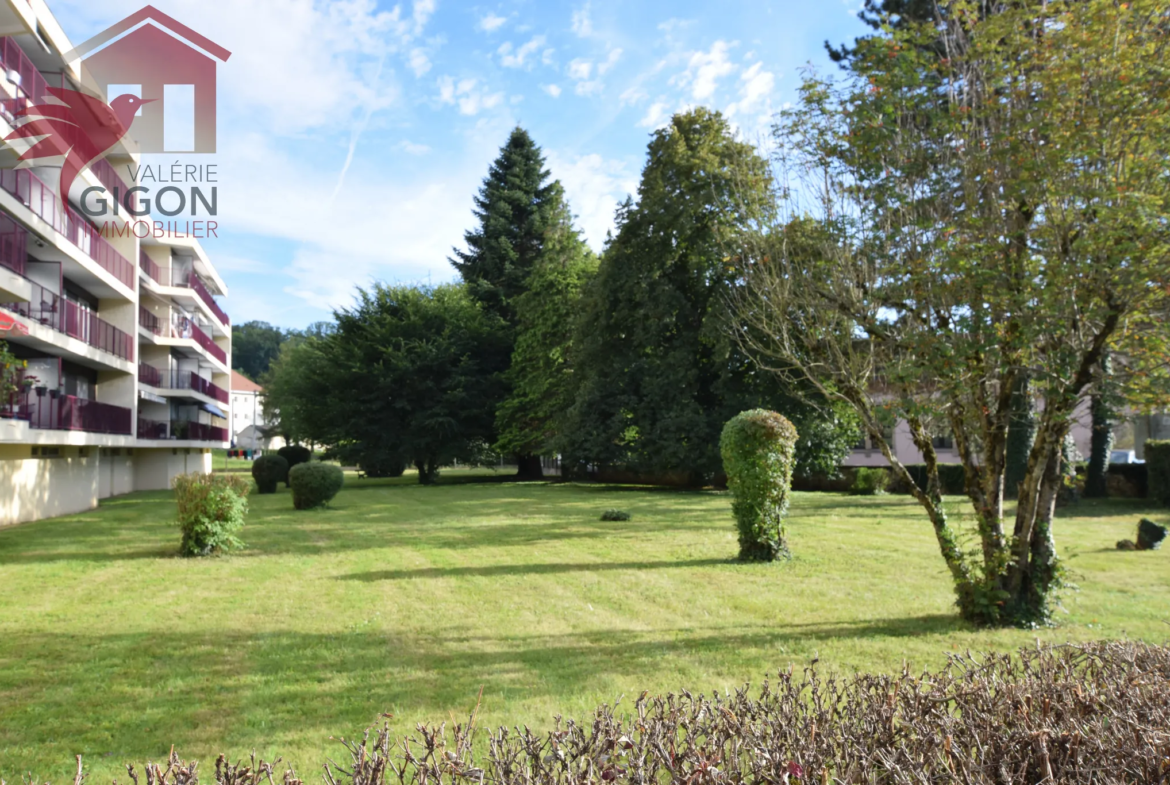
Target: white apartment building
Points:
(127, 354)
(247, 416)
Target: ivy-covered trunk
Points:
(1101, 444)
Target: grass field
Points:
(408, 599)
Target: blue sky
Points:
(353, 134)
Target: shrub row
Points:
(1158, 470)
(1094, 713)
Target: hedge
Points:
(1158, 470)
(950, 475)
(1091, 713)
(268, 471)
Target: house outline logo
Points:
(152, 52)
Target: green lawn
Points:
(407, 599)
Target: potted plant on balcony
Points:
(10, 370)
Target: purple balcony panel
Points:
(151, 429)
(149, 320)
(149, 267)
(149, 375)
(204, 295)
(38, 197)
(204, 340)
(74, 320)
(70, 413)
(198, 432)
(186, 380)
(13, 244)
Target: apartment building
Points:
(125, 353)
(248, 422)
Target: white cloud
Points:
(655, 115)
(516, 59)
(419, 62)
(705, 69)
(633, 95)
(491, 22)
(552, 89)
(422, 12)
(756, 85)
(594, 187)
(610, 61)
(580, 69)
(589, 87)
(412, 148)
(582, 22)
(466, 95)
(546, 56)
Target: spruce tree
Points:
(513, 210)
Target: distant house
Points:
(247, 416)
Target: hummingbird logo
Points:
(80, 127)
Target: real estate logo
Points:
(151, 78)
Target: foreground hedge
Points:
(1072, 714)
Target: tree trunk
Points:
(528, 467)
(1102, 439)
(1021, 434)
(428, 471)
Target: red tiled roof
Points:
(241, 383)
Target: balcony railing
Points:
(151, 429)
(185, 380)
(198, 432)
(74, 320)
(42, 200)
(185, 327)
(70, 413)
(149, 267)
(30, 85)
(13, 244)
(204, 295)
(149, 375)
(149, 320)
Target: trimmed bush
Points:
(211, 511)
(869, 481)
(295, 454)
(759, 451)
(1073, 714)
(950, 475)
(1132, 476)
(615, 515)
(267, 471)
(314, 484)
(1158, 470)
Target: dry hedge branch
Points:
(1094, 713)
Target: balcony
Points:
(180, 380)
(198, 432)
(152, 429)
(148, 320)
(66, 316)
(43, 201)
(149, 375)
(192, 282)
(49, 410)
(13, 245)
(30, 85)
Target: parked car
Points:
(1124, 456)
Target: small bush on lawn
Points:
(295, 454)
(1093, 713)
(759, 450)
(1158, 470)
(615, 515)
(267, 471)
(314, 484)
(211, 511)
(869, 481)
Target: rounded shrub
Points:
(295, 454)
(314, 484)
(267, 471)
(869, 481)
(759, 450)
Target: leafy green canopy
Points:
(759, 451)
(657, 375)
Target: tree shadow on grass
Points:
(525, 569)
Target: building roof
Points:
(241, 383)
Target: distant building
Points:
(247, 416)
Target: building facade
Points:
(123, 353)
(248, 422)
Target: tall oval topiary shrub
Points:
(759, 451)
(314, 484)
(295, 454)
(267, 471)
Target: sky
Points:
(354, 134)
